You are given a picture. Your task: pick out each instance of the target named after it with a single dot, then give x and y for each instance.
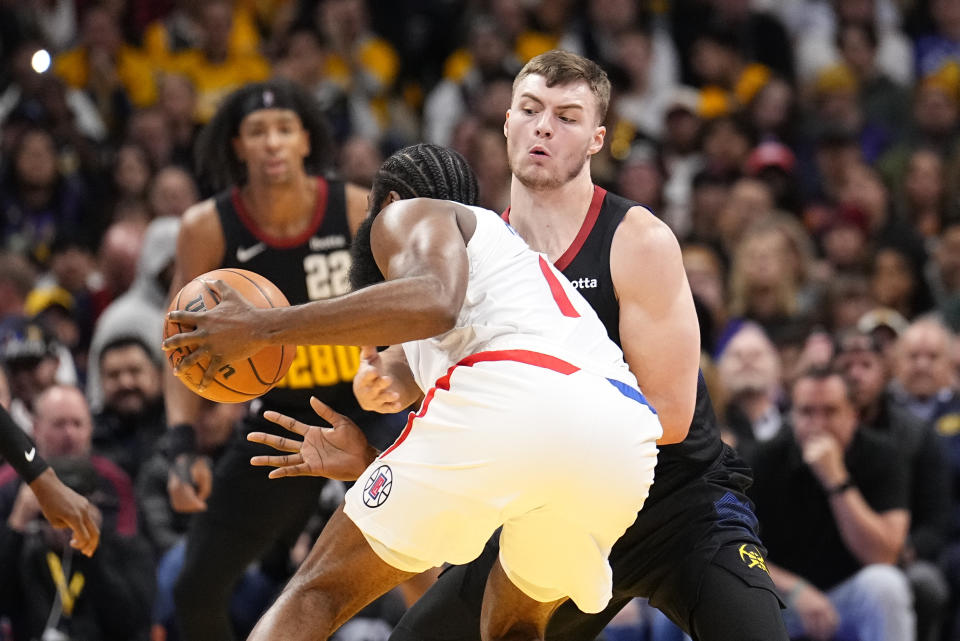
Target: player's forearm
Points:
(388, 313)
(18, 450)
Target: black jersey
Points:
(312, 266)
(586, 263)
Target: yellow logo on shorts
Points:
(752, 557)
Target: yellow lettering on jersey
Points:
(321, 366)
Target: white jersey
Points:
(517, 300)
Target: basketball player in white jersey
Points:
(515, 366)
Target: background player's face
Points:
(551, 132)
(273, 144)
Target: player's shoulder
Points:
(641, 231)
(200, 213)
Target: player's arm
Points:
(200, 248)
(417, 245)
(60, 505)
(658, 322)
(358, 205)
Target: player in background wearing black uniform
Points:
(266, 148)
(63, 507)
(693, 550)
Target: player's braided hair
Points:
(218, 166)
(426, 171)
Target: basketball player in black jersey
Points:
(266, 148)
(693, 550)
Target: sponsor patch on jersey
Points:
(377, 488)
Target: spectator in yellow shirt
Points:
(182, 29)
(115, 74)
(213, 68)
(364, 64)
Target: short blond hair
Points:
(560, 67)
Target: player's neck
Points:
(549, 219)
(282, 210)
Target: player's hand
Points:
(339, 452)
(374, 389)
(189, 483)
(64, 508)
(823, 453)
(224, 333)
(819, 617)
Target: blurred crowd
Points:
(805, 153)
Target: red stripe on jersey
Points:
(517, 355)
(284, 243)
(560, 296)
(599, 193)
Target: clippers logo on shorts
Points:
(750, 555)
(377, 488)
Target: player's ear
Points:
(506, 119)
(392, 197)
(596, 143)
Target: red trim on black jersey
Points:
(599, 193)
(517, 355)
(560, 296)
(277, 242)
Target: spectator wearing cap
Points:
(32, 359)
(45, 586)
(859, 356)
(885, 325)
(749, 372)
(833, 503)
(773, 162)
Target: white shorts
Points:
(561, 458)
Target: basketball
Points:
(240, 381)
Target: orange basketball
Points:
(240, 381)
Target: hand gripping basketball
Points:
(211, 338)
(340, 452)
